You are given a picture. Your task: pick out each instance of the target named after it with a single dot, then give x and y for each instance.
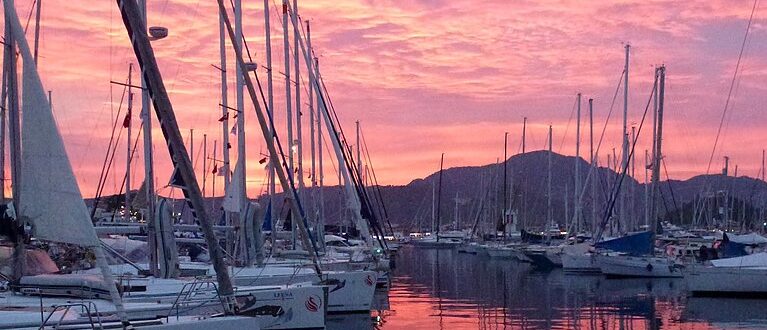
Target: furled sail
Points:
(234, 194)
(49, 197)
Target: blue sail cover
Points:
(634, 244)
(267, 224)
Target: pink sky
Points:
(430, 76)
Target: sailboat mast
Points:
(297, 68)
(504, 207)
(439, 194)
(593, 163)
(146, 118)
(658, 150)
(225, 144)
(270, 104)
(524, 133)
(38, 9)
(577, 188)
(136, 30)
(549, 215)
(204, 164)
(239, 85)
(14, 132)
(648, 165)
(359, 157)
(3, 114)
(129, 124)
(321, 220)
(312, 132)
(625, 151)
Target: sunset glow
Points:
(428, 76)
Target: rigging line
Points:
(29, 17)
(102, 179)
(670, 188)
(732, 85)
(125, 177)
(601, 138)
(377, 196)
(567, 128)
(617, 188)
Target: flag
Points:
(224, 117)
(222, 171)
(234, 130)
(215, 168)
(126, 121)
(262, 160)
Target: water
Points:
(442, 289)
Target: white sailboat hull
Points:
(626, 266)
(348, 291)
(580, 263)
(727, 281)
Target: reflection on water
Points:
(442, 289)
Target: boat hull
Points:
(584, 263)
(626, 266)
(727, 281)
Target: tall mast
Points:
(593, 163)
(270, 105)
(3, 114)
(504, 211)
(14, 132)
(296, 57)
(137, 32)
(312, 133)
(577, 188)
(439, 193)
(204, 163)
(359, 157)
(625, 152)
(287, 187)
(658, 154)
(38, 8)
(549, 215)
(648, 165)
(288, 102)
(632, 188)
(523, 197)
(240, 84)
(225, 144)
(146, 118)
(524, 133)
(319, 157)
(129, 124)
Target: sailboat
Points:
(435, 241)
(646, 265)
(51, 205)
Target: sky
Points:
(425, 77)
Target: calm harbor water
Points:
(442, 289)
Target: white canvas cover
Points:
(751, 260)
(233, 196)
(751, 238)
(49, 197)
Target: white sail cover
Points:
(49, 197)
(234, 194)
(751, 260)
(752, 238)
